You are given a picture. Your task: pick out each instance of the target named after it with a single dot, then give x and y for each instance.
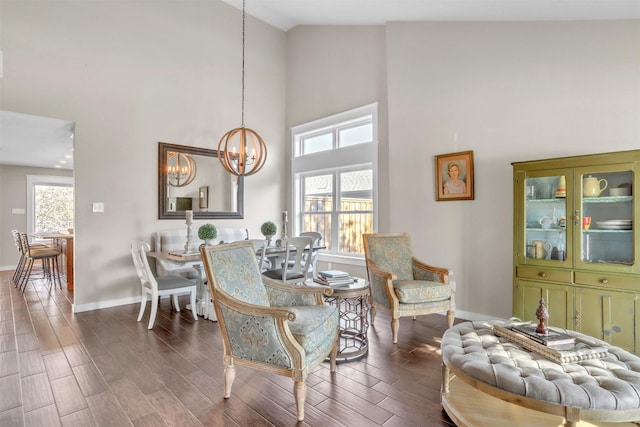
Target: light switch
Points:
(17, 211)
(98, 207)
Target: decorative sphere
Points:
(242, 151)
(268, 228)
(207, 232)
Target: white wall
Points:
(131, 74)
(507, 91)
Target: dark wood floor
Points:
(102, 368)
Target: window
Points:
(49, 203)
(334, 178)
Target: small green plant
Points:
(207, 232)
(268, 228)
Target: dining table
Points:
(276, 254)
(65, 242)
(204, 305)
(273, 253)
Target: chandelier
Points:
(242, 151)
(181, 169)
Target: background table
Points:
(276, 254)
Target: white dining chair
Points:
(155, 287)
(298, 270)
(313, 253)
(260, 248)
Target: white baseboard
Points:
(79, 308)
(474, 317)
(7, 267)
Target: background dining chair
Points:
(403, 286)
(17, 273)
(260, 249)
(267, 325)
(46, 255)
(317, 239)
(155, 287)
(297, 270)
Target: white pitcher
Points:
(592, 186)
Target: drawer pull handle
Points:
(542, 274)
(604, 281)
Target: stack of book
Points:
(550, 339)
(333, 278)
(580, 350)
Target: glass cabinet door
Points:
(605, 217)
(545, 216)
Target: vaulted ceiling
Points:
(49, 141)
(286, 14)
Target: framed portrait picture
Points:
(204, 197)
(454, 176)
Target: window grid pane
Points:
(356, 190)
(318, 193)
(317, 143)
(53, 208)
(352, 226)
(358, 134)
(320, 222)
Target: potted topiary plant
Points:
(269, 230)
(207, 232)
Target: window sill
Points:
(355, 260)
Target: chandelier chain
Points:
(242, 151)
(243, 37)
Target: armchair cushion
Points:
(314, 329)
(417, 291)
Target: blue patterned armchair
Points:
(402, 285)
(266, 324)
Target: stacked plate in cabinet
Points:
(615, 224)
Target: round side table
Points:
(353, 302)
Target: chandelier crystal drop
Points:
(242, 151)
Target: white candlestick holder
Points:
(189, 246)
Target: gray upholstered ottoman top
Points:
(610, 383)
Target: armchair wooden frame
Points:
(280, 317)
(384, 280)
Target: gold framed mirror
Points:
(183, 171)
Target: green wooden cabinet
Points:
(611, 316)
(575, 243)
(559, 300)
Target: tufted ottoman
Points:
(521, 388)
